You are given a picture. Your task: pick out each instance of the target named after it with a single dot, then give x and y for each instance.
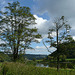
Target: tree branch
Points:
(46, 46)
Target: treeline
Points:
(67, 49)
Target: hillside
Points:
(34, 56)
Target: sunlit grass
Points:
(71, 59)
(23, 69)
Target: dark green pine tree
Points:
(18, 32)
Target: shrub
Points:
(4, 57)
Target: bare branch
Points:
(46, 46)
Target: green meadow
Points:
(11, 68)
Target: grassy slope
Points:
(22, 69)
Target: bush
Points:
(4, 57)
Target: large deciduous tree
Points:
(61, 30)
(18, 32)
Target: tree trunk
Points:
(14, 54)
(58, 63)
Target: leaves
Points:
(17, 22)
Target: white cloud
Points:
(74, 37)
(43, 25)
(57, 8)
(40, 50)
(40, 20)
(39, 40)
(40, 47)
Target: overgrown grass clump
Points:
(23, 69)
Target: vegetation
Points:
(17, 31)
(22, 69)
(70, 59)
(61, 29)
(67, 49)
(4, 57)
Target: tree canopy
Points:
(18, 32)
(66, 48)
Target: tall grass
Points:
(23, 69)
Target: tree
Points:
(67, 48)
(18, 31)
(61, 29)
(70, 48)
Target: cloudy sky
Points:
(45, 11)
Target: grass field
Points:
(73, 59)
(22, 69)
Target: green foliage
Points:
(66, 48)
(22, 59)
(18, 32)
(22, 69)
(63, 58)
(70, 49)
(4, 57)
(34, 59)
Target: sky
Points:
(45, 11)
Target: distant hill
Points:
(29, 56)
(34, 56)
